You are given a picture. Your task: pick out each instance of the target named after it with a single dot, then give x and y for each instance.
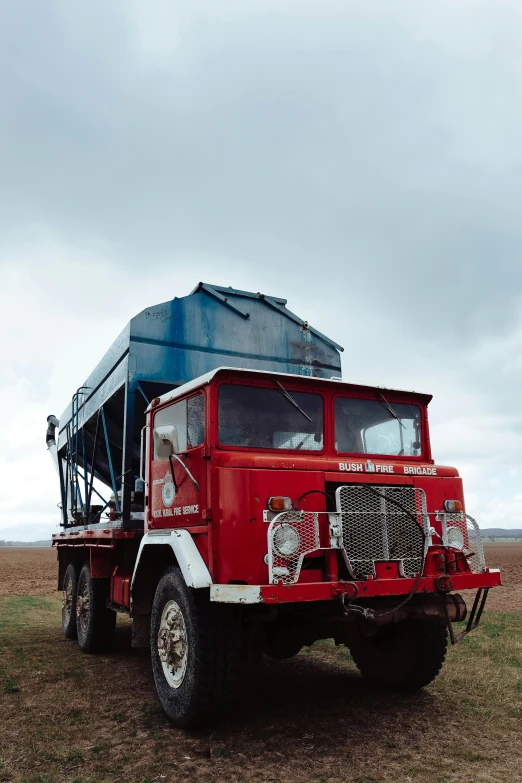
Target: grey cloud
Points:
(360, 158)
(320, 140)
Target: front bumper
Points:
(328, 591)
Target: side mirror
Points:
(165, 441)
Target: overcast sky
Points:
(361, 159)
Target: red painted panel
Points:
(184, 506)
(241, 533)
(101, 562)
(120, 587)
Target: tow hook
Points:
(444, 584)
(345, 591)
(349, 608)
(348, 593)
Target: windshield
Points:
(255, 417)
(370, 427)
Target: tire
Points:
(194, 652)
(95, 623)
(402, 657)
(70, 588)
(281, 645)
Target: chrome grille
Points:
(375, 528)
(287, 569)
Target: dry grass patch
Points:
(66, 716)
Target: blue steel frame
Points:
(72, 499)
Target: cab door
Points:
(178, 482)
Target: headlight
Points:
(455, 538)
(286, 540)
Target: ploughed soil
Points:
(507, 557)
(67, 716)
(33, 571)
(30, 570)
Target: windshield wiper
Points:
(292, 401)
(392, 412)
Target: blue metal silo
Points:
(165, 346)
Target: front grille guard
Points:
(286, 569)
(366, 536)
(383, 523)
(473, 547)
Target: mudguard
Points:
(188, 556)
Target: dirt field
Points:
(32, 571)
(507, 557)
(66, 716)
(28, 571)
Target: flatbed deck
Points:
(96, 537)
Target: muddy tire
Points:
(70, 588)
(194, 652)
(95, 623)
(402, 657)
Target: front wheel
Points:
(95, 623)
(405, 656)
(194, 651)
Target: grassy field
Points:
(66, 716)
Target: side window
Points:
(196, 420)
(188, 416)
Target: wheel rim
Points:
(67, 604)
(173, 644)
(83, 605)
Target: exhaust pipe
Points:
(50, 440)
(432, 607)
(419, 608)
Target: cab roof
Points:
(204, 380)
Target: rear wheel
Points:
(95, 623)
(70, 589)
(194, 651)
(402, 657)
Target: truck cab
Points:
(308, 487)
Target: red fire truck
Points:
(280, 510)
